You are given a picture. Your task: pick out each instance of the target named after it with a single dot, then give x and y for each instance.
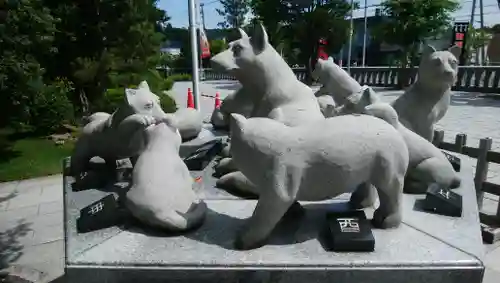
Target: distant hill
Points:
(216, 33)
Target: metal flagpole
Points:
(194, 54)
(481, 17)
(473, 11)
(364, 34)
(198, 35)
(350, 41)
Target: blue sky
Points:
(178, 11)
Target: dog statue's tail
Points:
(383, 111)
(95, 116)
(192, 219)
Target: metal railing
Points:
(490, 224)
(485, 79)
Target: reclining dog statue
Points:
(427, 163)
(161, 193)
(189, 123)
(119, 135)
(314, 162)
(422, 105)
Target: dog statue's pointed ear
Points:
(456, 51)
(259, 38)
(144, 85)
(428, 50)
(243, 34)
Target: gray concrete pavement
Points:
(31, 219)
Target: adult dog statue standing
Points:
(314, 162)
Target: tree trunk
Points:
(308, 80)
(404, 76)
(84, 102)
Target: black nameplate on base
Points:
(199, 159)
(349, 231)
(443, 201)
(455, 161)
(101, 214)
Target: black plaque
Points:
(443, 201)
(101, 214)
(455, 161)
(349, 231)
(199, 159)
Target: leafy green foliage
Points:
(217, 46)
(408, 23)
(167, 103)
(294, 29)
(52, 107)
(477, 38)
(234, 13)
(113, 97)
(180, 77)
(62, 56)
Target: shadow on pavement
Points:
(10, 247)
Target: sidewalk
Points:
(31, 225)
(31, 229)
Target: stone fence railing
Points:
(484, 79)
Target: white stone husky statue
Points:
(422, 105)
(275, 91)
(161, 194)
(275, 87)
(121, 134)
(427, 163)
(340, 88)
(317, 161)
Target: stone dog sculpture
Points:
(189, 122)
(422, 105)
(276, 91)
(427, 164)
(341, 87)
(240, 101)
(161, 194)
(275, 87)
(315, 162)
(119, 135)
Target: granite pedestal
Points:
(425, 248)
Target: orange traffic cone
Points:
(190, 99)
(217, 100)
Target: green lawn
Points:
(23, 157)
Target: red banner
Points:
(321, 49)
(205, 46)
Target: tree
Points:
(103, 42)
(476, 39)
(408, 23)
(217, 46)
(27, 38)
(320, 19)
(295, 27)
(234, 13)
